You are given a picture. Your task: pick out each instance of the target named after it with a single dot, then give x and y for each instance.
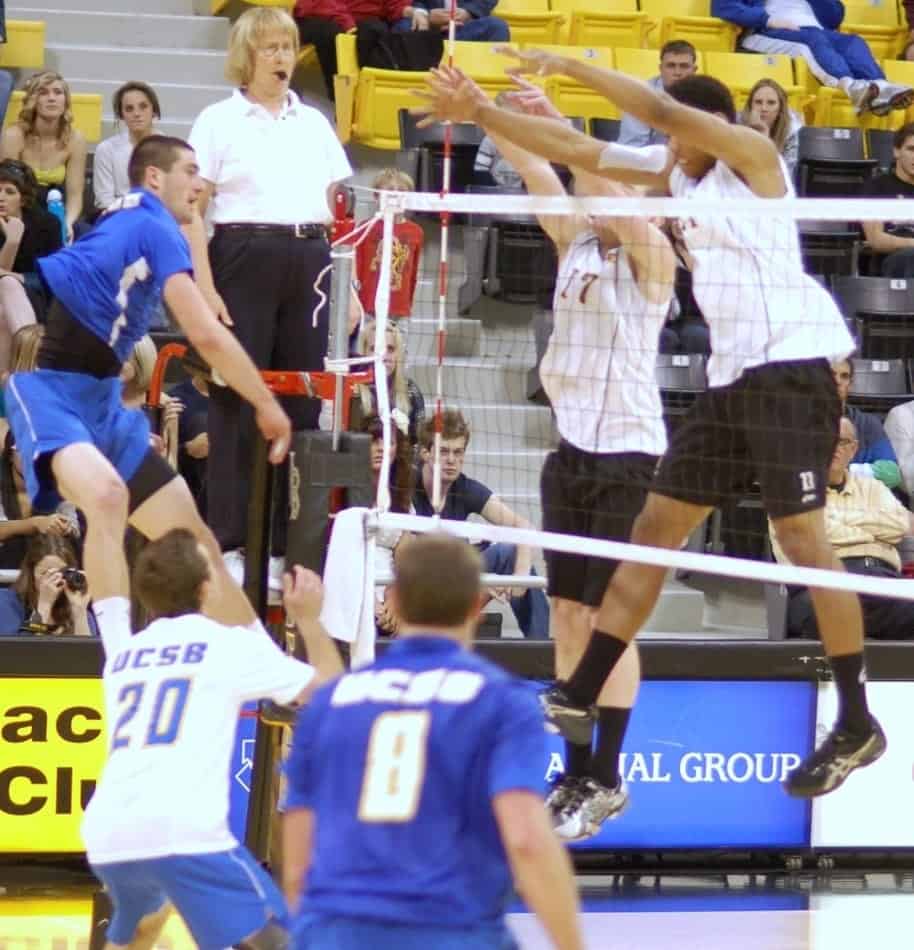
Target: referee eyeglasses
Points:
(274, 49)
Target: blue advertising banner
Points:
(240, 771)
(704, 761)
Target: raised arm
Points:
(452, 97)
(752, 155)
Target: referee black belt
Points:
(870, 565)
(306, 231)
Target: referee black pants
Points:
(266, 279)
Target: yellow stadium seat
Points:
(24, 47)
(87, 112)
(877, 22)
(219, 6)
(832, 108)
(307, 56)
(741, 71)
(481, 61)
(901, 72)
(691, 21)
(530, 21)
(598, 23)
(572, 98)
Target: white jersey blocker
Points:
(598, 369)
(173, 694)
(748, 278)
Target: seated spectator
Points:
(685, 330)
(474, 20)
(136, 376)
(406, 256)
(44, 138)
(193, 438)
(50, 596)
(809, 29)
(678, 59)
(899, 427)
(321, 21)
(864, 522)
(137, 106)
(403, 392)
(29, 232)
(874, 456)
(895, 239)
(462, 497)
(767, 111)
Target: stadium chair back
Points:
(480, 61)
(681, 372)
(607, 130)
(741, 71)
(877, 22)
(831, 163)
(603, 22)
(880, 144)
(829, 249)
(884, 307)
(879, 378)
(688, 20)
(531, 21)
(572, 98)
(24, 46)
(902, 72)
(830, 145)
(87, 112)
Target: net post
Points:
(341, 257)
(390, 207)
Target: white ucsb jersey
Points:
(598, 370)
(748, 279)
(173, 694)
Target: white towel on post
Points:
(348, 610)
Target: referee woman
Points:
(269, 165)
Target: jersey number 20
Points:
(165, 719)
(394, 767)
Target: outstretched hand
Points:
(450, 96)
(535, 62)
(303, 594)
(532, 100)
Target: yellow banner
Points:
(52, 749)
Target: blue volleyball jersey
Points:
(111, 280)
(400, 762)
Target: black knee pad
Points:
(271, 937)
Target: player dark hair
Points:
(20, 175)
(705, 93)
(436, 580)
(903, 134)
(453, 426)
(679, 46)
(169, 575)
(155, 151)
(136, 86)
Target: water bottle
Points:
(56, 207)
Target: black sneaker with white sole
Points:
(585, 806)
(560, 793)
(574, 722)
(829, 766)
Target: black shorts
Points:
(777, 425)
(594, 496)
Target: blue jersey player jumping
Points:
(71, 430)
(414, 787)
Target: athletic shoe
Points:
(891, 96)
(862, 93)
(574, 722)
(830, 765)
(586, 804)
(560, 794)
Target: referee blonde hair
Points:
(247, 32)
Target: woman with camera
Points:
(51, 596)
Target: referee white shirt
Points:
(266, 169)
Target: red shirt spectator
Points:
(347, 14)
(404, 268)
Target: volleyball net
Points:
(518, 348)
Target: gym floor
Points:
(729, 912)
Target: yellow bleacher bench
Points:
(530, 21)
(689, 20)
(600, 23)
(87, 112)
(24, 47)
(571, 97)
(877, 22)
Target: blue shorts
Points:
(49, 410)
(312, 932)
(223, 897)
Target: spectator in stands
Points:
(474, 20)
(49, 596)
(270, 166)
(29, 232)
(403, 392)
(678, 59)
(462, 497)
(767, 110)
(321, 21)
(44, 138)
(193, 438)
(899, 427)
(891, 238)
(406, 256)
(874, 456)
(136, 377)
(865, 523)
(137, 106)
(809, 29)
(686, 330)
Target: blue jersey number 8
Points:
(167, 712)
